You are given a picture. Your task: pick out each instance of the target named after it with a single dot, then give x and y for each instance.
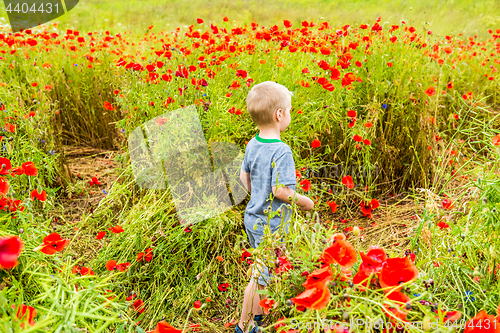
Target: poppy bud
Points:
(345, 315)
(289, 198)
(21, 230)
(408, 306)
(356, 231)
(351, 284)
(289, 302)
(426, 323)
(265, 211)
(317, 226)
(485, 200)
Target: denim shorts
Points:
(260, 272)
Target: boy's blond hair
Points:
(264, 99)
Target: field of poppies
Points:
(395, 134)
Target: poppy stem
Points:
(187, 319)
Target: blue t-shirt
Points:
(259, 156)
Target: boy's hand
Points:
(309, 205)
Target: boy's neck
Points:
(270, 133)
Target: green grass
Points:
(184, 267)
(442, 17)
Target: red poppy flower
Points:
(449, 85)
(367, 208)
(443, 225)
(347, 181)
(373, 262)
(431, 91)
(322, 275)
(496, 140)
(241, 73)
(86, 271)
(29, 169)
(245, 255)
(223, 286)
(4, 166)
(139, 305)
(287, 23)
(10, 249)
(17, 171)
(482, 322)
(284, 265)
(306, 185)
(333, 206)
(335, 74)
(108, 106)
(25, 313)
(101, 235)
(94, 181)
(315, 143)
(316, 297)
(116, 229)
(396, 272)
(197, 304)
(148, 256)
(34, 84)
(368, 125)
(397, 311)
(447, 204)
(164, 327)
(450, 315)
(266, 304)
(112, 265)
(357, 138)
(4, 186)
(40, 196)
(340, 252)
(52, 243)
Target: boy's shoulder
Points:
(274, 145)
(268, 151)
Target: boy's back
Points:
(259, 156)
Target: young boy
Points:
(269, 105)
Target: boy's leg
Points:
(250, 306)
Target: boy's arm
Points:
(245, 179)
(284, 192)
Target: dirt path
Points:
(85, 163)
